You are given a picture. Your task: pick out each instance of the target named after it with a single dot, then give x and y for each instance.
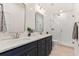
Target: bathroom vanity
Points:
(40, 45)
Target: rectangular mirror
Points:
(15, 17)
(38, 22)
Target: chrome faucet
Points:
(17, 35)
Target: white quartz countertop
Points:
(8, 44)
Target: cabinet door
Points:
(48, 45)
(41, 47)
(31, 52)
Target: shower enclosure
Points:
(63, 27)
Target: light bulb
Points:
(61, 11)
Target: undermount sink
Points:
(5, 37)
(24, 38)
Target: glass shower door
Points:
(63, 26)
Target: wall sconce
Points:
(39, 9)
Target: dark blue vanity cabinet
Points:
(41, 47)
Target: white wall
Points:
(30, 16)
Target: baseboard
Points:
(65, 45)
(62, 44)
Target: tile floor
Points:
(59, 50)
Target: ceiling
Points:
(54, 7)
